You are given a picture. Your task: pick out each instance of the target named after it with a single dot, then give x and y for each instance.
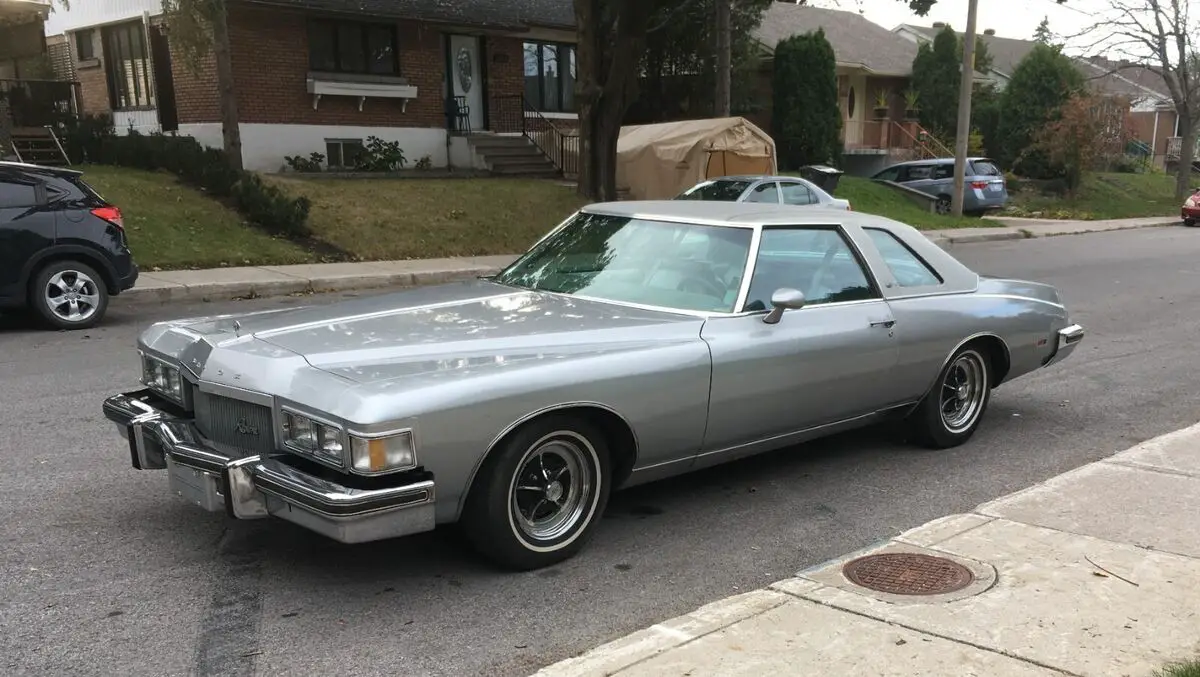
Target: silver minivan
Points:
(985, 189)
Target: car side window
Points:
(917, 172)
(766, 192)
(16, 193)
(816, 261)
(908, 268)
(889, 174)
(797, 194)
(943, 172)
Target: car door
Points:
(818, 365)
(26, 228)
(942, 179)
(918, 177)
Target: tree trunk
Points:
(1187, 155)
(724, 59)
(588, 60)
(228, 96)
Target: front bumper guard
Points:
(1067, 340)
(255, 487)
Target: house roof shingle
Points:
(494, 13)
(855, 39)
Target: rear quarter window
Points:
(986, 168)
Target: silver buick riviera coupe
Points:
(635, 341)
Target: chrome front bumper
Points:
(256, 487)
(1067, 339)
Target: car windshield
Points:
(726, 190)
(680, 266)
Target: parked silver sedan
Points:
(635, 341)
(788, 190)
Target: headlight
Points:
(162, 377)
(308, 436)
(383, 454)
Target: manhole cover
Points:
(904, 573)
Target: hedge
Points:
(94, 140)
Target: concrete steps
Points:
(514, 156)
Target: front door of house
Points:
(466, 77)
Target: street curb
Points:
(645, 644)
(1029, 232)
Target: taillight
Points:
(979, 184)
(110, 214)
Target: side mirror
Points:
(784, 299)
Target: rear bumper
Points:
(1066, 341)
(256, 487)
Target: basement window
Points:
(342, 153)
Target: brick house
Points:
(323, 75)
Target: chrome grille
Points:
(234, 422)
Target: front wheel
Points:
(538, 500)
(69, 295)
(950, 413)
(1189, 222)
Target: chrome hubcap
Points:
(552, 489)
(963, 391)
(72, 296)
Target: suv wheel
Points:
(69, 295)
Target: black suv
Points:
(63, 250)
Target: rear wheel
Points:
(69, 295)
(538, 499)
(1189, 222)
(951, 412)
(942, 205)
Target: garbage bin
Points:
(824, 176)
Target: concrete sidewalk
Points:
(228, 283)
(1090, 573)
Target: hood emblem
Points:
(244, 427)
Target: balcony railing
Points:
(37, 103)
(880, 136)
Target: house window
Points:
(550, 76)
(127, 66)
(352, 47)
(84, 47)
(342, 153)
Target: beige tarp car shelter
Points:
(660, 161)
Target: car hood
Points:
(475, 327)
(337, 357)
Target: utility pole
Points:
(724, 60)
(962, 138)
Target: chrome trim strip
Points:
(235, 393)
(950, 355)
(748, 274)
(793, 433)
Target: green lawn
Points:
(381, 219)
(1102, 196)
(1189, 668)
(172, 226)
(871, 197)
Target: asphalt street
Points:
(103, 573)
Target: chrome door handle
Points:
(884, 323)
